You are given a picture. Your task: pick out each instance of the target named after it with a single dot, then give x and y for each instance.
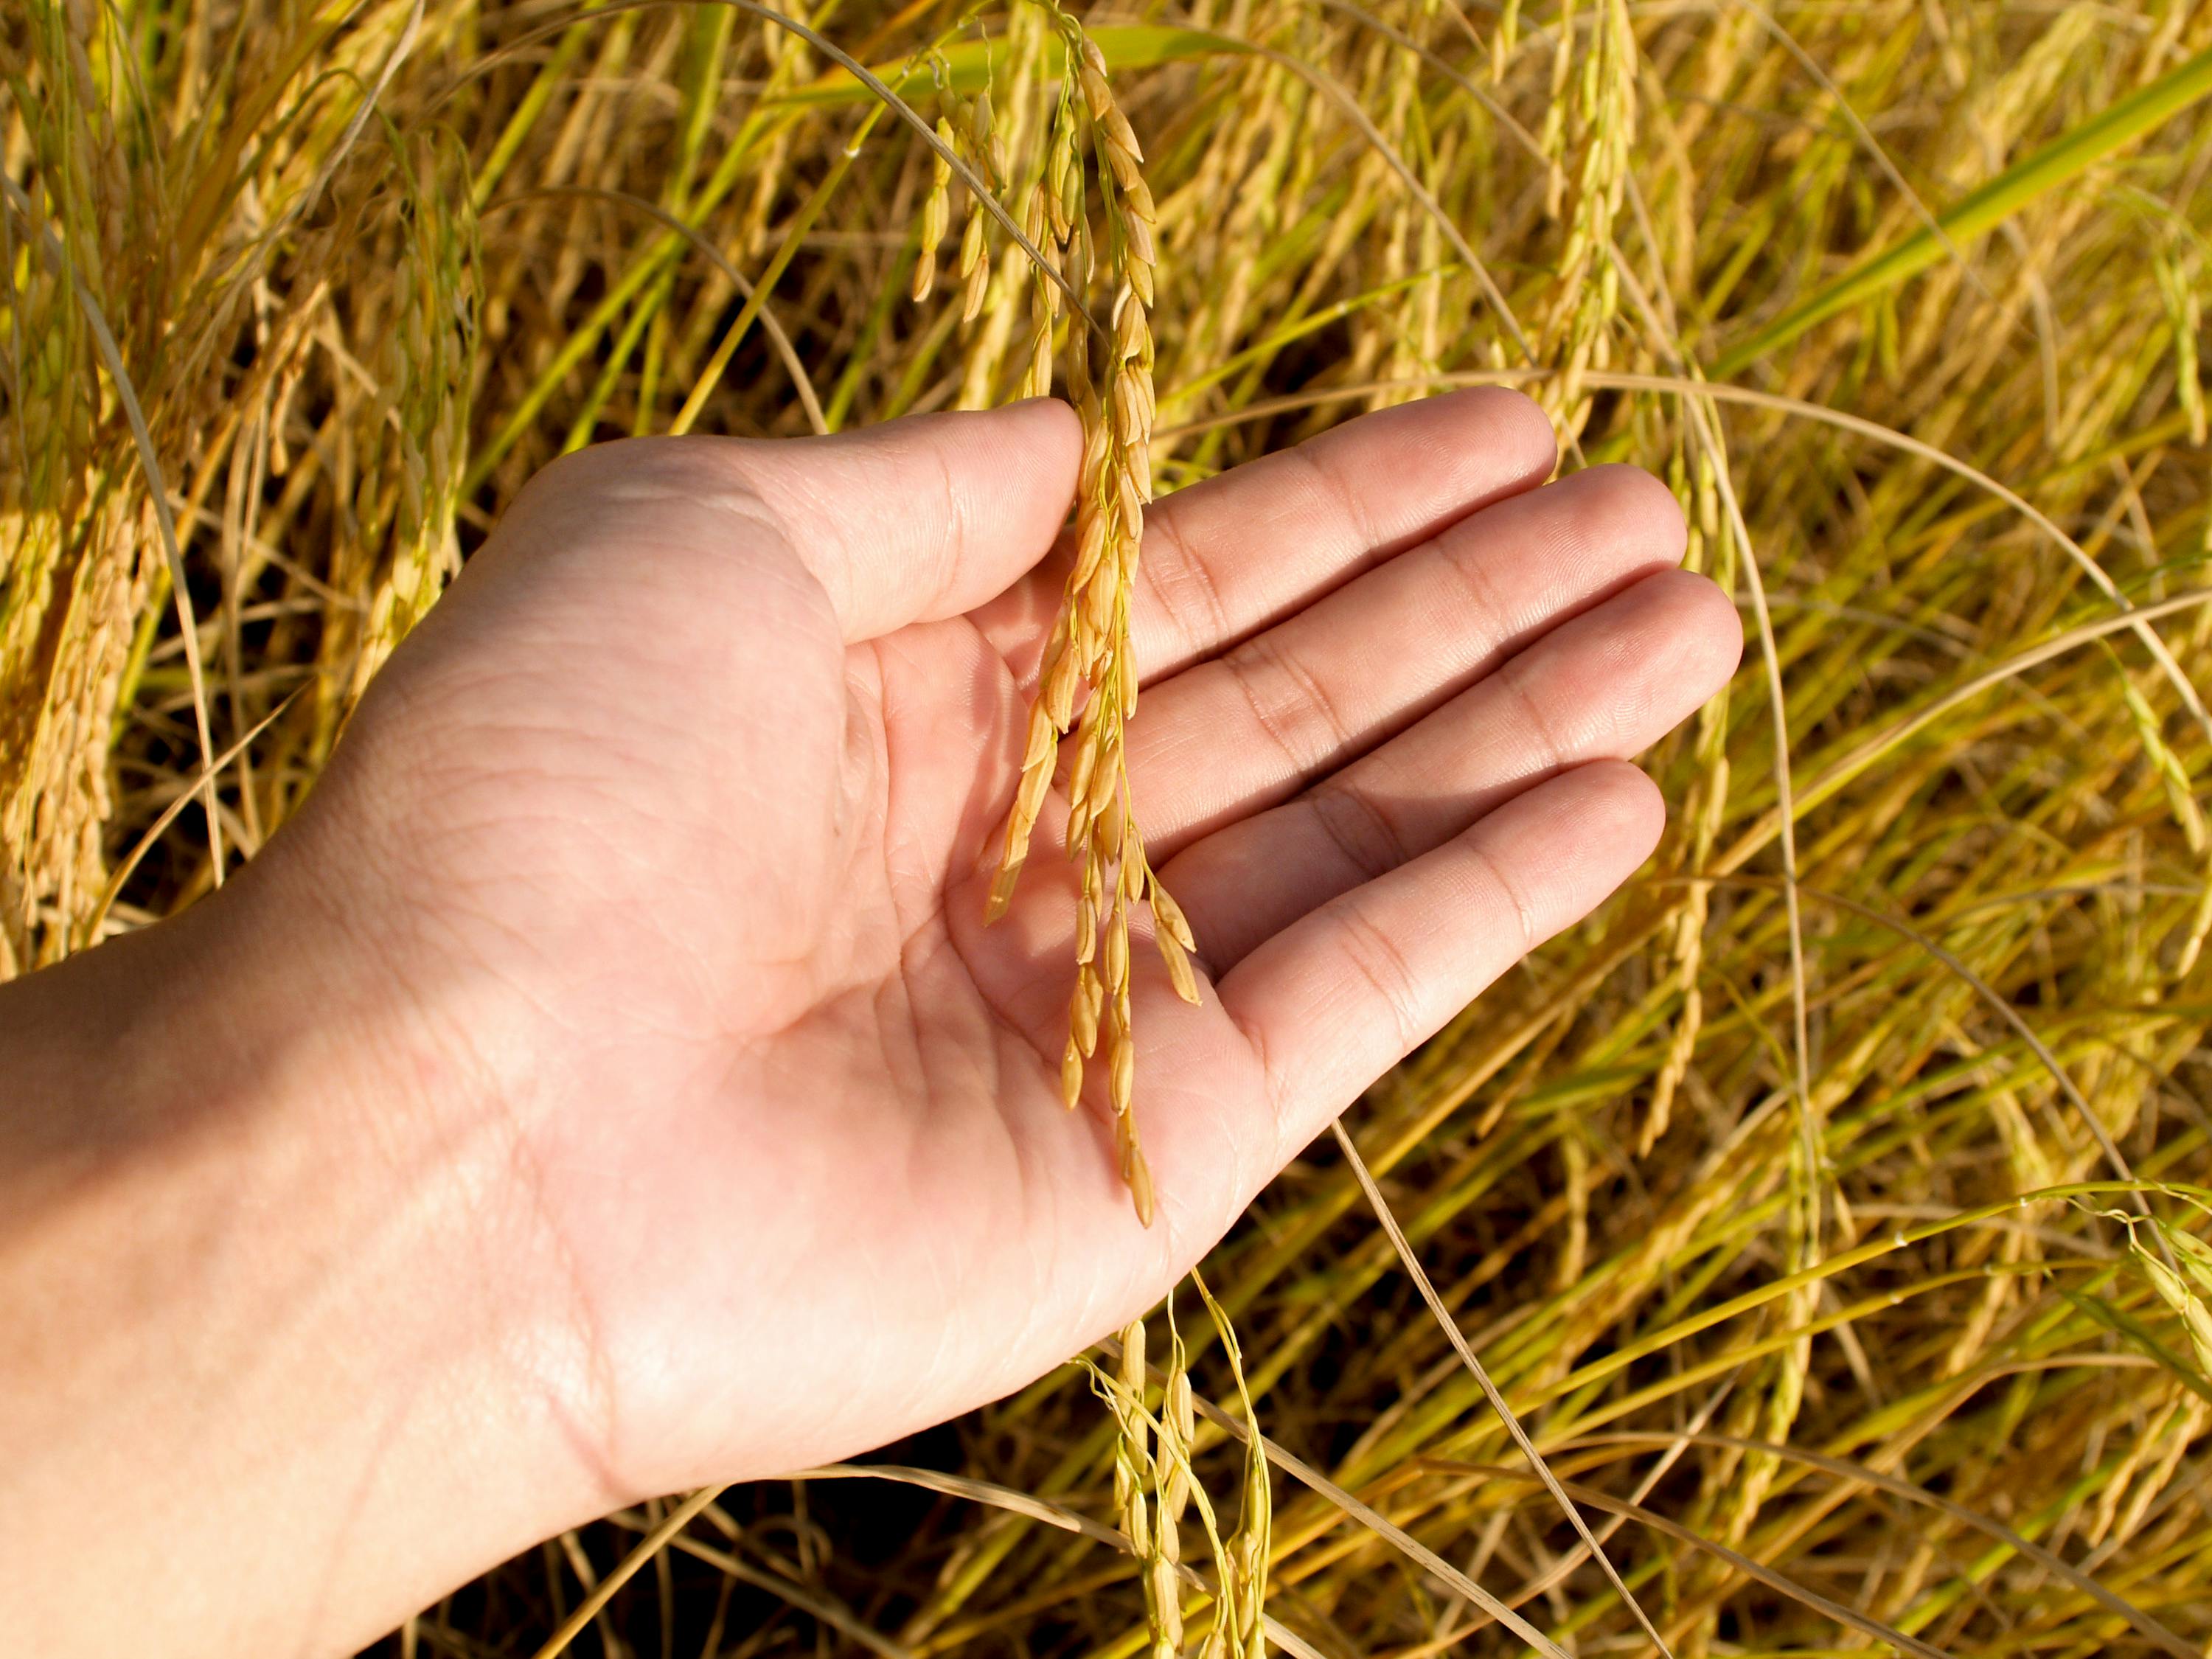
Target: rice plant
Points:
(1829, 1211)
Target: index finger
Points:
(1230, 556)
(1225, 559)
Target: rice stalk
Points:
(1974, 479)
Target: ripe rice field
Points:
(1831, 1208)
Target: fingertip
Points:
(1030, 453)
(1622, 805)
(1515, 424)
(1703, 631)
(1045, 406)
(1492, 441)
(1033, 446)
(1642, 511)
(1582, 830)
(936, 513)
(1049, 424)
(1718, 624)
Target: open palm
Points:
(674, 821)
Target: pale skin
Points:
(607, 1083)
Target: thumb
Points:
(921, 518)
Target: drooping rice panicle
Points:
(1093, 190)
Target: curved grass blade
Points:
(2136, 116)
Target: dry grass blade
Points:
(411, 30)
(1051, 1515)
(647, 1547)
(1864, 134)
(1849, 1617)
(1859, 1474)
(927, 133)
(2125, 121)
(1728, 1166)
(1845, 420)
(154, 832)
(801, 381)
(1840, 772)
(1996, 1005)
(1809, 1176)
(830, 1613)
(1490, 1391)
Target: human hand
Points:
(651, 875)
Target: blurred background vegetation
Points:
(1726, 1187)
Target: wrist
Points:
(290, 1358)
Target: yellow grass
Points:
(1828, 1209)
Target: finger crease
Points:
(1524, 914)
(955, 538)
(1467, 565)
(1348, 504)
(1271, 1081)
(1360, 830)
(1277, 717)
(1170, 595)
(1383, 966)
(1554, 754)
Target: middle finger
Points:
(1242, 732)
